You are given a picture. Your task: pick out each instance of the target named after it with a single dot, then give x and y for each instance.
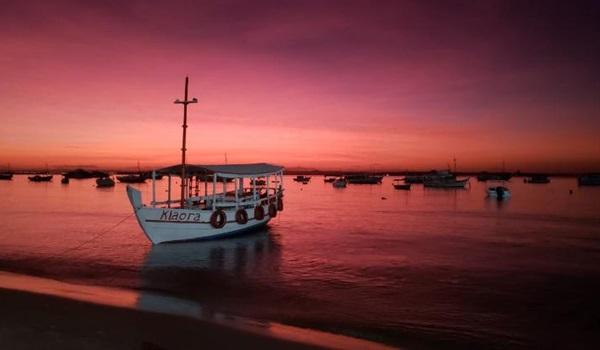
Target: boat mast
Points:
(185, 103)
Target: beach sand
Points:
(36, 321)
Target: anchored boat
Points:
(209, 212)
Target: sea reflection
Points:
(183, 266)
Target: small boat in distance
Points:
(105, 182)
(84, 174)
(364, 179)
(401, 186)
(7, 175)
(537, 179)
(258, 182)
(443, 179)
(499, 192)
(64, 180)
(499, 176)
(40, 178)
(328, 178)
(589, 180)
(340, 183)
(132, 178)
(302, 178)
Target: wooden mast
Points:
(185, 103)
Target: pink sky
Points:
(344, 85)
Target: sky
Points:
(368, 85)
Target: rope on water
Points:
(96, 236)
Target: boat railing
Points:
(228, 199)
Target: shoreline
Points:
(44, 313)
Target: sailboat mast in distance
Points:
(185, 103)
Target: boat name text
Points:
(171, 215)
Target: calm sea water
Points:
(425, 268)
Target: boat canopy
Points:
(224, 170)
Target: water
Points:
(425, 268)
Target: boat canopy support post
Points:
(235, 187)
(153, 189)
(169, 192)
(214, 192)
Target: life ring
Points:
(241, 216)
(279, 204)
(259, 213)
(218, 219)
(272, 210)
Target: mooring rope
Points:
(96, 236)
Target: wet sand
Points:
(35, 321)
(44, 313)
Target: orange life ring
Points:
(272, 210)
(218, 219)
(241, 216)
(259, 213)
(279, 204)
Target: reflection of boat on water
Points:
(237, 254)
(499, 192)
(364, 179)
(537, 179)
(589, 180)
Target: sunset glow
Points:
(345, 85)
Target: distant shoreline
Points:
(317, 172)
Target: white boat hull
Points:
(162, 225)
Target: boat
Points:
(148, 175)
(84, 174)
(413, 179)
(499, 176)
(258, 182)
(7, 175)
(328, 178)
(401, 186)
(499, 192)
(364, 179)
(221, 210)
(589, 180)
(105, 182)
(132, 178)
(340, 183)
(537, 179)
(64, 180)
(40, 178)
(443, 179)
(302, 178)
